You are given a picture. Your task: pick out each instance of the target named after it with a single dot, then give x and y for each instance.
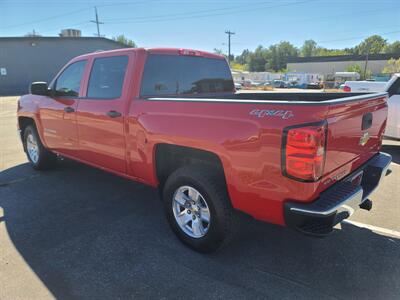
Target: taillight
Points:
(303, 153)
(347, 89)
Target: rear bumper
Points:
(339, 201)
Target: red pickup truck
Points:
(171, 118)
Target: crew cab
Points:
(170, 118)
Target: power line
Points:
(187, 13)
(46, 19)
(75, 12)
(191, 15)
(126, 3)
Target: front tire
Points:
(197, 207)
(39, 157)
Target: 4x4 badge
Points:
(284, 114)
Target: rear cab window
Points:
(168, 75)
(107, 77)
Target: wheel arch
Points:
(170, 157)
(26, 120)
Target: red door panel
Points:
(58, 111)
(101, 136)
(101, 114)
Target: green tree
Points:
(124, 40)
(360, 70)
(392, 48)
(320, 51)
(257, 60)
(221, 52)
(309, 48)
(278, 55)
(354, 68)
(392, 66)
(238, 67)
(243, 58)
(371, 45)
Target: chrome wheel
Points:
(32, 148)
(191, 211)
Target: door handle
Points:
(69, 109)
(366, 121)
(113, 114)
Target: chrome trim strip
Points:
(332, 101)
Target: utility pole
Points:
(97, 22)
(229, 33)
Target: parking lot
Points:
(78, 232)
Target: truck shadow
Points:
(394, 151)
(89, 234)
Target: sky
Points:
(201, 24)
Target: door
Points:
(101, 114)
(393, 118)
(58, 111)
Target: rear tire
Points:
(39, 157)
(197, 207)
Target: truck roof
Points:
(160, 50)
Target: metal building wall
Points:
(331, 67)
(27, 59)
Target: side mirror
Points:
(39, 88)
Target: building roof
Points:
(57, 38)
(384, 56)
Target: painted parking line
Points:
(377, 229)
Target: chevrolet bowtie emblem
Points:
(364, 139)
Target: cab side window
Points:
(107, 77)
(69, 82)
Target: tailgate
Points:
(355, 131)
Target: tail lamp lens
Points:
(304, 153)
(347, 89)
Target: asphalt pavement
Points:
(78, 232)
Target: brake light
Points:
(303, 155)
(347, 89)
(189, 52)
